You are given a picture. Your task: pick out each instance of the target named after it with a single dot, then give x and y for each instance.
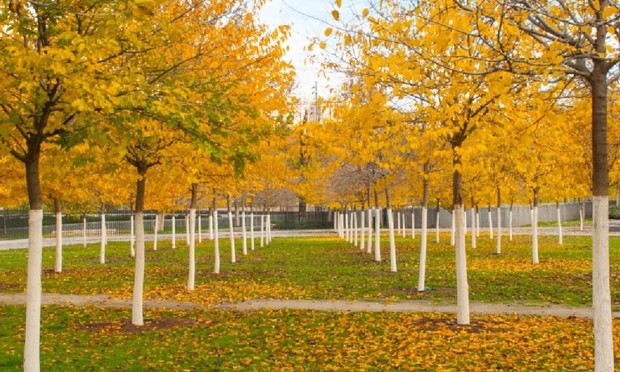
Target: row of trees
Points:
(459, 104)
(96, 96)
(511, 94)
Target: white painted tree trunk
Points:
(473, 228)
(84, 232)
(413, 223)
(398, 222)
(174, 230)
(465, 220)
(601, 297)
(535, 235)
(369, 241)
(510, 224)
(33, 290)
(342, 230)
(187, 229)
(104, 238)
(437, 227)
(252, 231)
(462, 287)
(231, 231)
(192, 249)
(581, 218)
(244, 235)
(269, 229)
(423, 234)
(155, 230)
(390, 216)
(211, 225)
(490, 223)
(404, 225)
(377, 235)
(335, 216)
(347, 230)
(477, 223)
(362, 229)
(216, 243)
(132, 238)
(199, 227)
(559, 214)
(138, 286)
(262, 230)
(354, 217)
(58, 263)
(452, 242)
(498, 249)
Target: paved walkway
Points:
(318, 305)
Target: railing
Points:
(14, 223)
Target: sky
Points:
(308, 19)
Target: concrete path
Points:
(317, 305)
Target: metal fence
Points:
(14, 224)
(520, 215)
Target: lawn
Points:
(329, 268)
(311, 268)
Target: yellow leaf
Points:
(336, 15)
(365, 12)
(328, 31)
(338, 3)
(322, 45)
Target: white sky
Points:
(303, 29)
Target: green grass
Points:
(311, 268)
(329, 268)
(79, 339)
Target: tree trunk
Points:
(252, 245)
(390, 216)
(462, 287)
(244, 234)
(138, 287)
(362, 229)
(437, 223)
(510, 223)
(231, 232)
(262, 230)
(369, 240)
(192, 240)
(424, 232)
(498, 249)
(216, 242)
(535, 259)
(377, 234)
(192, 251)
(601, 295)
(132, 238)
(355, 227)
(35, 258)
(58, 263)
(104, 236)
